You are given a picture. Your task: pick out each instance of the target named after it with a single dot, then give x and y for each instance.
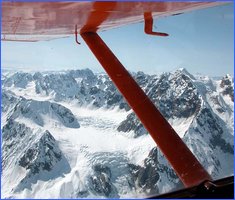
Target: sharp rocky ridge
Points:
(53, 125)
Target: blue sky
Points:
(200, 41)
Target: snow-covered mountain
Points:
(72, 135)
(38, 111)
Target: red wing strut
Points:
(187, 167)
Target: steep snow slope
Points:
(190, 105)
(40, 111)
(28, 156)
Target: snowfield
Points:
(72, 135)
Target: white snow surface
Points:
(95, 141)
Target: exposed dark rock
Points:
(147, 176)
(13, 129)
(208, 122)
(13, 133)
(43, 155)
(19, 79)
(100, 181)
(226, 84)
(173, 94)
(132, 123)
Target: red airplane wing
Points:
(33, 21)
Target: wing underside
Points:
(34, 21)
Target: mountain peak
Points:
(185, 72)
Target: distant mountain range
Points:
(72, 134)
